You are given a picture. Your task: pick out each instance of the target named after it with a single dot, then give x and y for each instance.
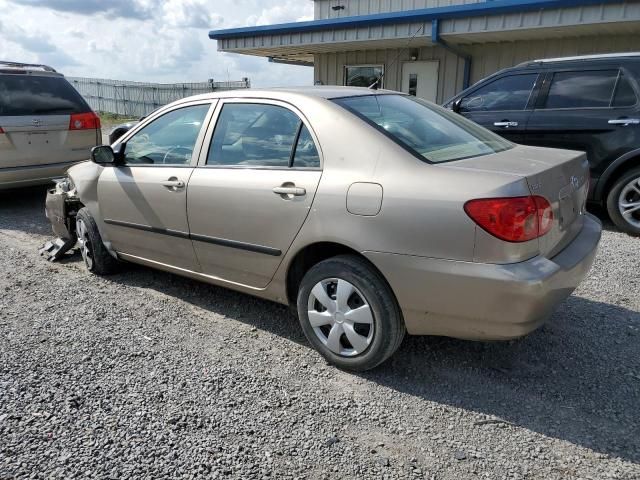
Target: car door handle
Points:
(173, 183)
(295, 191)
(624, 121)
(505, 124)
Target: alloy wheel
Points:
(629, 202)
(85, 243)
(341, 317)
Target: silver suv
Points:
(45, 125)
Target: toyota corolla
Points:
(373, 213)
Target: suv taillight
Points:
(513, 219)
(84, 121)
(1, 130)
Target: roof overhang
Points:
(488, 21)
(490, 7)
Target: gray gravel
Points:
(149, 375)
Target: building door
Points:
(420, 79)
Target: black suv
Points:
(587, 103)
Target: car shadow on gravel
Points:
(576, 379)
(22, 209)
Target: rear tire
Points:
(349, 313)
(622, 201)
(95, 255)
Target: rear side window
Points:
(589, 89)
(506, 93)
(260, 135)
(33, 95)
(306, 155)
(624, 96)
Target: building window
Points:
(362, 75)
(413, 84)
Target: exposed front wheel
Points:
(95, 255)
(623, 202)
(349, 314)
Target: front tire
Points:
(349, 313)
(623, 202)
(95, 255)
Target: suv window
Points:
(506, 93)
(260, 135)
(169, 139)
(39, 95)
(624, 96)
(587, 89)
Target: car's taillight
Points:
(84, 121)
(514, 219)
(1, 130)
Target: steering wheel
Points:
(186, 151)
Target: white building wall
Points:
(366, 7)
(487, 58)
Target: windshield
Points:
(39, 95)
(426, 130)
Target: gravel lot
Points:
(149, 375)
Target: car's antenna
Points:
(378, 82)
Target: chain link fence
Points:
(136, 99)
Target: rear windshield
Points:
(32, 95)
(426, 130)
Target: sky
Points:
(146, 40)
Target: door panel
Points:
(240, 227)
(501, 104)
(146, 218)
(420, 79)
(144, 202)
(253, 190)
(591, 111)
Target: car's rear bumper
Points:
(16, 177)
(486, 301)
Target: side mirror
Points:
(455, 106)
(103, 155)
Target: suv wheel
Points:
(95, 255)
(623, 202)
(349, 314)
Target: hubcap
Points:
(629, 202)
(341, 317)
(85, 243)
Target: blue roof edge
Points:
(488, 7)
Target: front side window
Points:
(590, 89)
(430, 132)
(261, 135)
(39, 95)
(362, 75)
(506, 93)
(169, 139)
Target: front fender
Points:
(85, 177)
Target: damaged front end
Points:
(62, 205)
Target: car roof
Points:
(326, 92)
(20, 68)
(582, 58)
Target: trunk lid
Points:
(40, 140)
(560, 176)
(35, 112)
